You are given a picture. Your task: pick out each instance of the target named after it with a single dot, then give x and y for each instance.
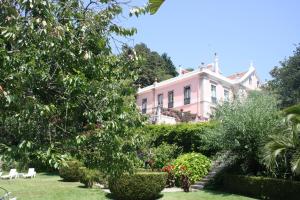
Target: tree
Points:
(153, 65)
(61, 87)
(281, 153)
(286, 78)
(245, 124)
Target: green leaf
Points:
(154, 5)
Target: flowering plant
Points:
(171, 175)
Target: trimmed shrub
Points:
(71, 172)
(140, 186)
(261, 187)
(194, 165)
(190, 137)
(89, 176)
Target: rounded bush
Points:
(89, 176)
(139, 186)
(194, 165)
(71, 172)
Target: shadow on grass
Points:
(217, 192)
(49, 173)
(110, 196)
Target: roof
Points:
(237, 75)
(236, 78)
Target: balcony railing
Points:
(187, 101)
(214, 100)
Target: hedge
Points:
(139, 186)
(191, 137)
(71, 172)
(262, 187)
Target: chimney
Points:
(251, 65)
(216, 64)
(180, 70)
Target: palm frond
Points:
(296, 162)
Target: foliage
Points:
(262, 188)
(153, 66)
(71, 171)
(194, 165)
(245, 124)
(281, 153)
(293, 112)
(197, 137)
(60, 81)
(89, 176)
(286, 78)
(140, 186)
(154, 5)
(171, 176)
(164, 154)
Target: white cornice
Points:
(201, 71)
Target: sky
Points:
(239, 31)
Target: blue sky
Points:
(190, 31)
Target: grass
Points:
(203, 194)
(50, 187)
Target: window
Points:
(144, 106)
(226, 95)
(250, 81)
(160, 100)
(170, 99)
(213, 94)
(187, 95)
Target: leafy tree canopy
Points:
(153, 65)
(245, 124)
(286, 80)
(62, 90)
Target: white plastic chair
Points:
(12, 174)
(31, 173)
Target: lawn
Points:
(50, 187)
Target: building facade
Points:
(197, 92)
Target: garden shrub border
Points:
(191, 137)
(139, 186)
(262, 187)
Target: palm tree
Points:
(282, 151)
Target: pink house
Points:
(197, 92)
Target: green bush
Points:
(71, 172)
(194, 165)
(89, 176)
(261, 187)
(140, 186)
(164, 154)
(190, 137)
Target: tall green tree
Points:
(286, 80)
(61, 87)
(245, 124)
(153, 65)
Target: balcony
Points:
(187, 101)
(214, 100)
